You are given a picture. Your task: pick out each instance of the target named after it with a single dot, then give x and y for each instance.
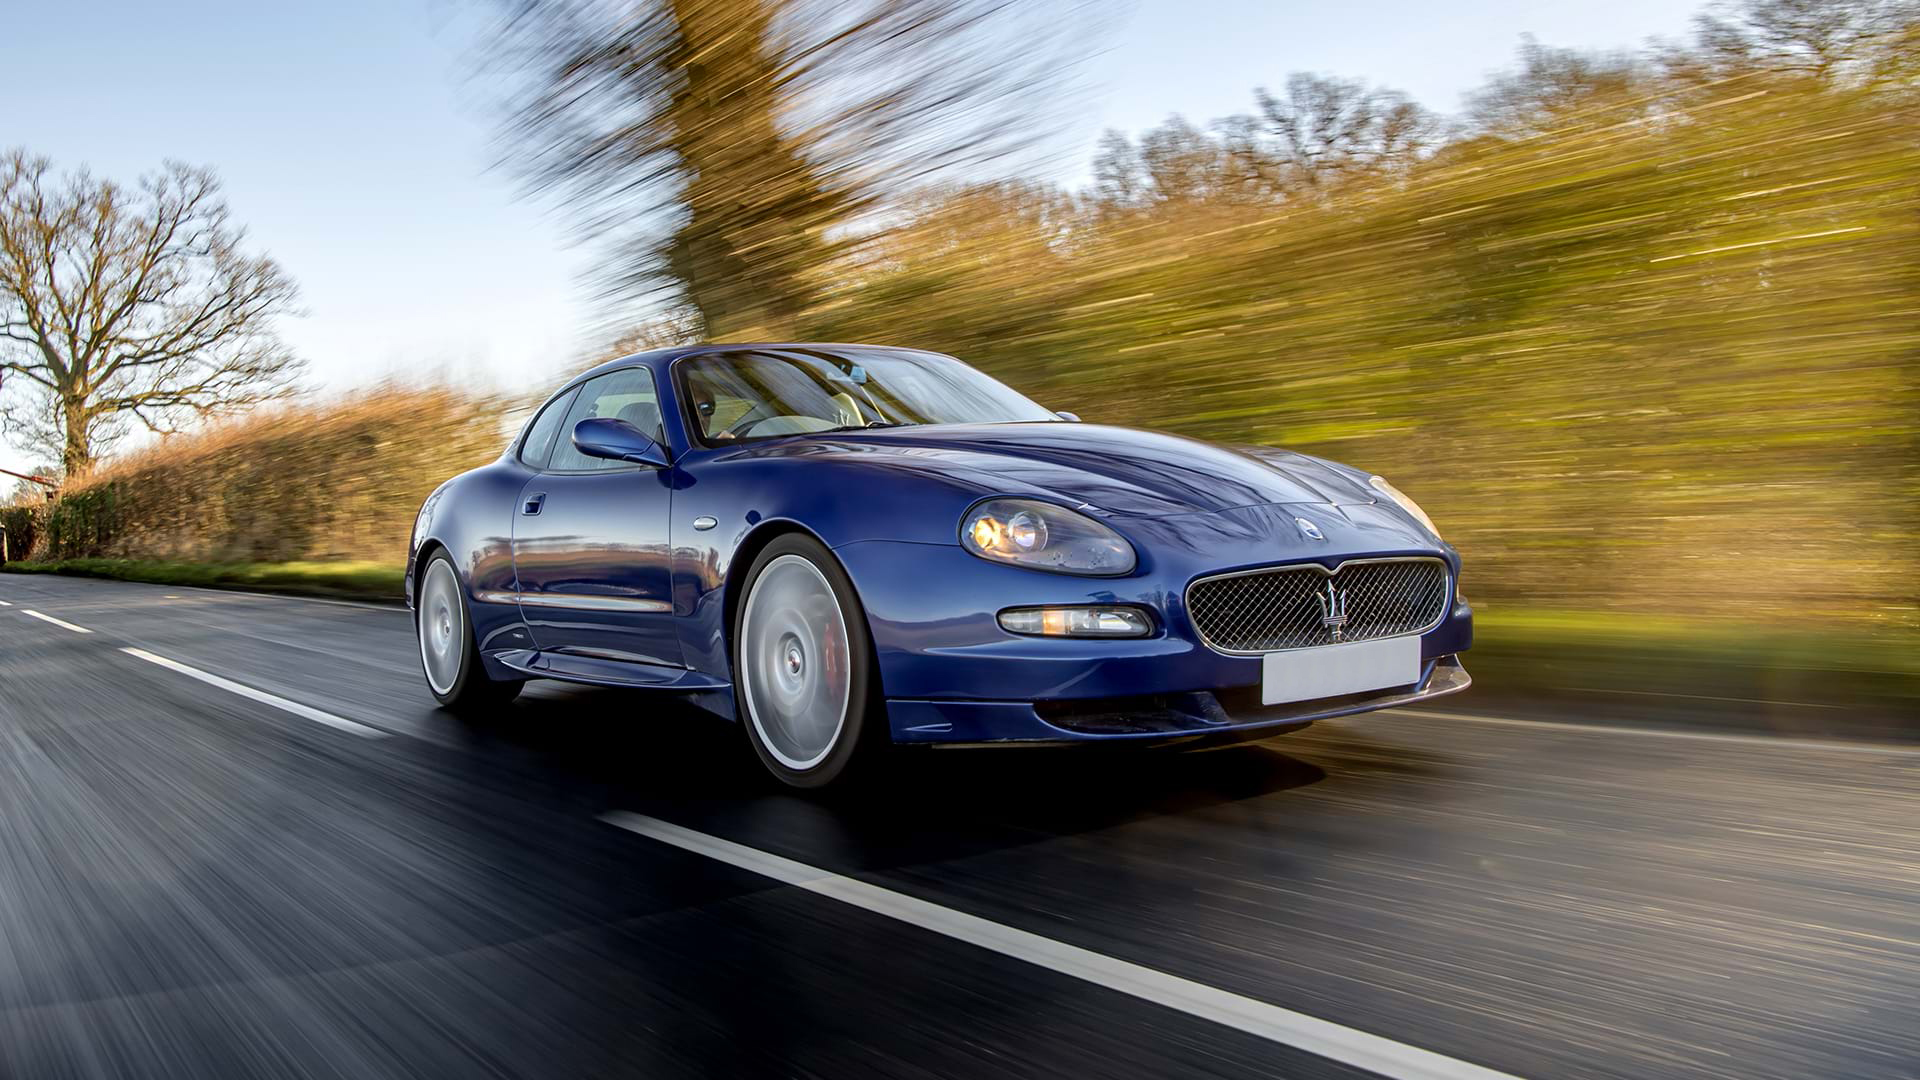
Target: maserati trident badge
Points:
(1333, 609)
(1311, 530)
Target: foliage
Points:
(1651, 346)
(1686, 667)
(120, 308)
(715, 145)
(22, 524)
(340, 481)
(81, 521)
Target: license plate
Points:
(1333, 670)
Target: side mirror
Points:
(617, 440)
(1067, 416)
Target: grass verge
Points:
(375, 581)
(1811, 680)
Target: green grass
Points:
(1723, 665)
(1841, 647)
(351, 580)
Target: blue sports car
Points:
(844, 546)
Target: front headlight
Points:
(1027, 532)
(1380, 485)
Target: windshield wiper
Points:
(867, 425)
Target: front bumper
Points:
(1196, 714)
(952, 675)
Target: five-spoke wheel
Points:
(447, 652)
(801, 662)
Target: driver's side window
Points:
(627, 394)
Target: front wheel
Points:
(801, 664)
(447, 652)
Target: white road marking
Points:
(3, 603)
(57, 622)
(308, 712)
(1322, 1037)
(1776, 742)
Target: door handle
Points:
(534, 503)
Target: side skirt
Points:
(705, 691)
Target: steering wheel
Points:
(747, 419)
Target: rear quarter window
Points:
(538, 444)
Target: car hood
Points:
(1116, 471)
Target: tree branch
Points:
(141, 307)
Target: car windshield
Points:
(760, 395)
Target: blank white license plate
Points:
(1333, 670)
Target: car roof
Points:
(660, 359)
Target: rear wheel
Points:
(448, 655)
(801, 664)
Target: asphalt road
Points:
(341, 881)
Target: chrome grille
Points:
(1289, 607)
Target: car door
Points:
(590, 546)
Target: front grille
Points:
(1289, 607)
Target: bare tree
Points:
(1175, 167)
(1326, 130)
(722, 147)
(1550, 86)
(1119, 176)
(1826, 39)
(122, 308)
(1182, 163)
(658, 332)
(1317, 136)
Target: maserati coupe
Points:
(848, 546)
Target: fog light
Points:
(1107, 622)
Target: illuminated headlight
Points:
(1380, 485)
(1043, 536)
(1104, 622)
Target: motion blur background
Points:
(1639, 324)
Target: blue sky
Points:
(357, 151)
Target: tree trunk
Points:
(77, 453)
(755, 206)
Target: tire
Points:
(443, 625)
(803, 668)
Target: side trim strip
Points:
(575, 601)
